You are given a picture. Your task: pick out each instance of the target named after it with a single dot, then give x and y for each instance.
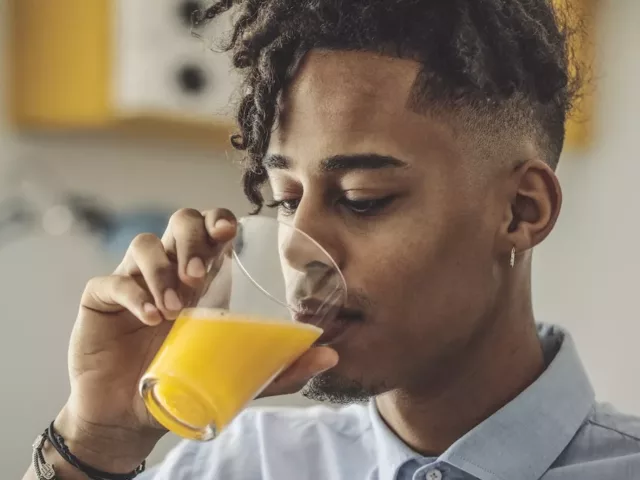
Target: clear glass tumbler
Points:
(263, 305)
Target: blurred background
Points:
(112, 116)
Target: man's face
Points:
(390, 195)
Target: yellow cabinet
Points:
(129, 65)
(583, 26)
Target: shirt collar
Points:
(391, 452)
(521, 440)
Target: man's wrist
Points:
(109, 449)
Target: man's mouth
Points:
(334, 320)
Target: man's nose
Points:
(309, 270)
(311, 240)
(301, 252)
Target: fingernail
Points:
(222, 223)
(152, 314)
(171, 300)
(149, 308)
(195, 268)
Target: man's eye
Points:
(368, 206)
(285, 207)
(359, 207)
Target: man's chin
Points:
(332, 388)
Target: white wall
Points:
(585, 275)
(42, 278)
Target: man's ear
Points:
(535, 201)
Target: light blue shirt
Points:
(554, 430)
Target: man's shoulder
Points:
(612, 423)
(607, 439)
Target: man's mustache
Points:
(354, 301)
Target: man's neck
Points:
(431, 421)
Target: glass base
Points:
(179, 408)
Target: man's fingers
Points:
(187, 240)
(147, 255)
(196, 240)
(221, 224)
(176, 268)
(116, 293)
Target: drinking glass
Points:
(263, 304)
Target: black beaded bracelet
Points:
(56, 440)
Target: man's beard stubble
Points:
(332, 388)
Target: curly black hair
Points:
(508, 58)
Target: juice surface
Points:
(214, 362)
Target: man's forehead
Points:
(352, 76)
(346, 93)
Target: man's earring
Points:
(512, 260)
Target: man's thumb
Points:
(316, 360)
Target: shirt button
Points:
(434, 475)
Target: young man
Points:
(417, 142)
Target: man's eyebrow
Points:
(361, 161)
(368, 161)
(276, 162)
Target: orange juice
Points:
(213, 362)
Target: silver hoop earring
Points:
(512, 260)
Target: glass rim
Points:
(247, 218)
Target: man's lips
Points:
(333, 326)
